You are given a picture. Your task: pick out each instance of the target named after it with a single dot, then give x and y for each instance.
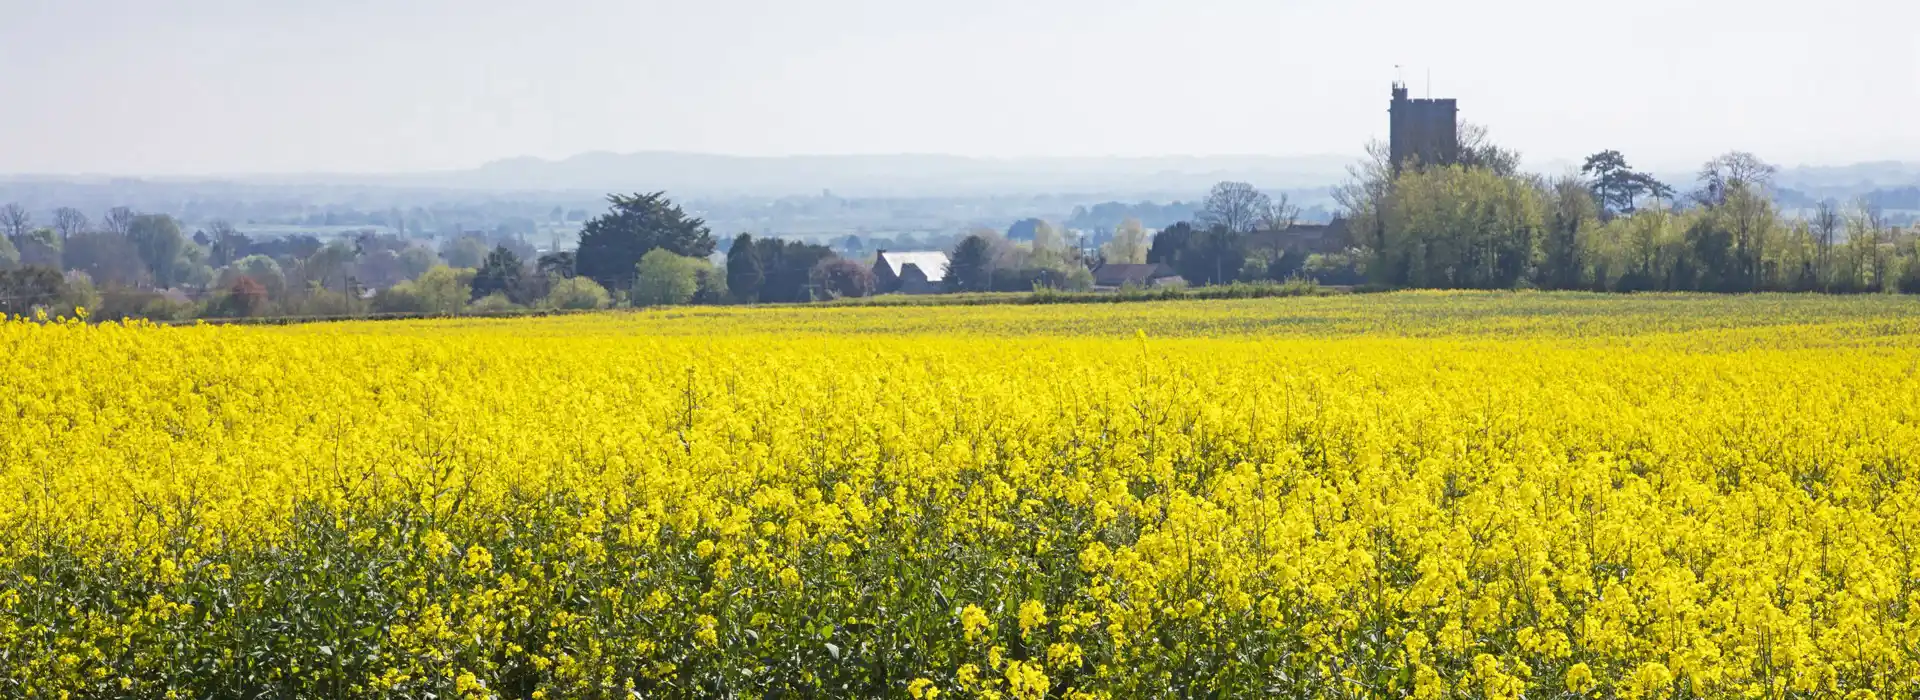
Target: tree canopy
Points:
(612, 244)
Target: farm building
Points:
(916, 272)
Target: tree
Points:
(842, 278)
(970, 266)
(225, 244)
(789, 269)
(24, 288)
(464, 252)
(1169, 244)
(39, 247)
(118, 220)
(1024, 229)
(1214, 255)
(69, 222)
(1235, 206)
(499, 274)
(1825, 228)
(260, 268)
(1280, 215)
(744, 272)
(1721, 176)
(1571, 217)
(441, 290)
(663, 278)
(9, 255)
(1477, 150)
(1617, 186)
(712, 285)
(109, 258)
(558, 264)
(1129, 244)
(576, 294)
(14, 220)
(158, 239)
(245, 297)
(612, 244)
(416, 261)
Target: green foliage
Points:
(745, 273)
(663, 278)
(970, 266)
(500, 273)
(612, 244)
(25, 288)
(576, 294)
(442, 290)
(158, 240)
(1459, 227)
(9, 255)
(495, 303)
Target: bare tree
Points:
(1236, 206)
(14, 220)
(118, 220)
(1826, 226)
(1729, 171)
(69, 222)
(1477, 150)
(1280, 215)
(1868, 224)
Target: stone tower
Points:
(1425, 131)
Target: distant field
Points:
(1374, 495)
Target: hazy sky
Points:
(251, 86)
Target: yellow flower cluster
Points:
(1430, 495)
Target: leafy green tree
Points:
(1572, 216)
(1129, 244)
(499, 273)
(24, 288)
(712, 287)
(612, 244)
(970, 266)
(744, 272)
(576, 294)
(664, 278)
(1459, 227)
(9, 255)
(158, 239)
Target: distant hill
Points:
(887, 175)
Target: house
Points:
(916, 272)
(1117, 275)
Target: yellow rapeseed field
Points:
(1426, 495)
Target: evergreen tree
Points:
(612, 244)
(745, 274)
(970, 267)
(500, 272)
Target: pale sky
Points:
(274, 86)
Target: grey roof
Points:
(932, 263)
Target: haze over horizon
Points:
(215, 87)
